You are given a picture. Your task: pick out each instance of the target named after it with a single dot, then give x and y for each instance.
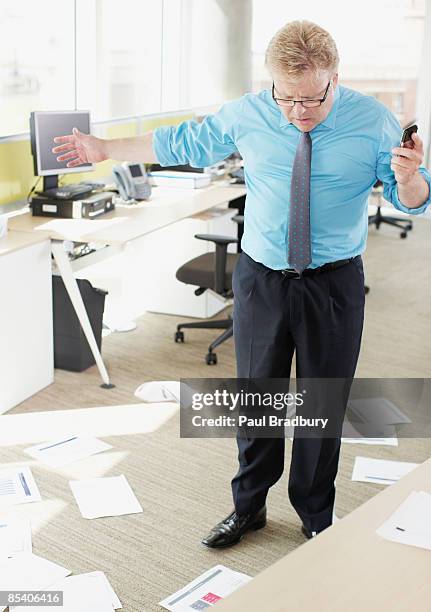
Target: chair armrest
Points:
(222, 240)
(238, 219)
(220, 257)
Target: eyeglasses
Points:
(305, 103)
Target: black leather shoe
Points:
(308, 534)
(233, 527)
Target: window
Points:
(119, 57)
(397, 104)
(37, 60)
(206, 52)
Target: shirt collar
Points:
(330, 120)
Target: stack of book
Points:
(187, 180)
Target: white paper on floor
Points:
(15, 535)
(18, 486)
(58, 453)
(28, 572)
(384, 436)
(101, 422)
(410, 523)
(89, 592)
(378, 411)
(111, 496)
(159, 391)
(206, 590)
(380, 471)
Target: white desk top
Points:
(13, 241)
(167, 205)
(348, 566)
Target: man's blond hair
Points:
(300, 46)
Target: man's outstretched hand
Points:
(78, 148)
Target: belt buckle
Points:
(293, 274)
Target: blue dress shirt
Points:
(351, 149)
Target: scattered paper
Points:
(100, 422)
(15, 535)
(17, 486)
(90, 592)
(206, 590)
(380, 471)
(28, 572)
(115, 602)
(372, 441)
(66, 450)
(98, 497)
(159, 391)
(377, 411)
(410, 523)
(360, 434)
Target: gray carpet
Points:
(183, 485)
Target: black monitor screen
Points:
(46, 126)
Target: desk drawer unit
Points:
(26, 337)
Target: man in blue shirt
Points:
(312, 151)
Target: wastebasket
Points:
(71, 349)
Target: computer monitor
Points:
(44, 126)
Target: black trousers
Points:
(321, 318)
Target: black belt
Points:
(333, 265)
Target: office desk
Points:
(348, 566)
(15, 241)
(26, 343)
(167, 206)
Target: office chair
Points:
(211, 271)
(405, 225)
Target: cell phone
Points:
(407, 134)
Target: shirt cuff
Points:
(412, 211)
(161, 147)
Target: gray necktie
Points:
(299, 251)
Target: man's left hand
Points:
(407, 159)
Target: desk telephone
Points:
(132, 181)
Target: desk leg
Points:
(117, 319)
(71, 285)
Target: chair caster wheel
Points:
(179, 336)
(211, 358)
(403, 235)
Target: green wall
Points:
(16, 162)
